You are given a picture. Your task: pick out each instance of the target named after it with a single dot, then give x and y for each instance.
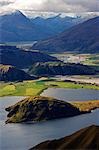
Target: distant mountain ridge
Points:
(55, 24)
(83, 37)
(46, 15)
(16, 27)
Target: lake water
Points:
(72, 94)
(25, 136)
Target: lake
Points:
(24, 136)
(72, 94)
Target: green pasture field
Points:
(33, 88)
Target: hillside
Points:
(20, 58)
(83, 139)
(82, 38)
(39, 108)
(10, 73)
(59, 68)
(55, 24)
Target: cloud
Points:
(51, 5)
(5, 2)
(92, 5)
(62, 6)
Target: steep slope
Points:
(10, 73)
(59, 68)
(39, 109)
(84, 139)
(82, 38)
(10, 55)
(16, 27)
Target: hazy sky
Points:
(51, 5)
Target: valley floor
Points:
(36, 87)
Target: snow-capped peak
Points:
(45, 15)
(34, 14)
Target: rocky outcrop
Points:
(10, 73)
(40, 109)
(84, 139)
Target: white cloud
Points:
(50, 5)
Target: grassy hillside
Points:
(11, 73)
(60, 68)
(87, 105)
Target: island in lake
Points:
(38, 108)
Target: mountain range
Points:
(16, 26)
(55, 24)
(46, 14)
(83, 37)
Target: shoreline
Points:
(84, 81)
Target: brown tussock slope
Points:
(83, 139)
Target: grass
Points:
(22, 89)
(92, 60)
(33, 88)
(8, 89)
(87, 105)
(62, 84)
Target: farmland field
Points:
(33, 88)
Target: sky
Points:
(68, 6)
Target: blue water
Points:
(25, 136)
(72, 94)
